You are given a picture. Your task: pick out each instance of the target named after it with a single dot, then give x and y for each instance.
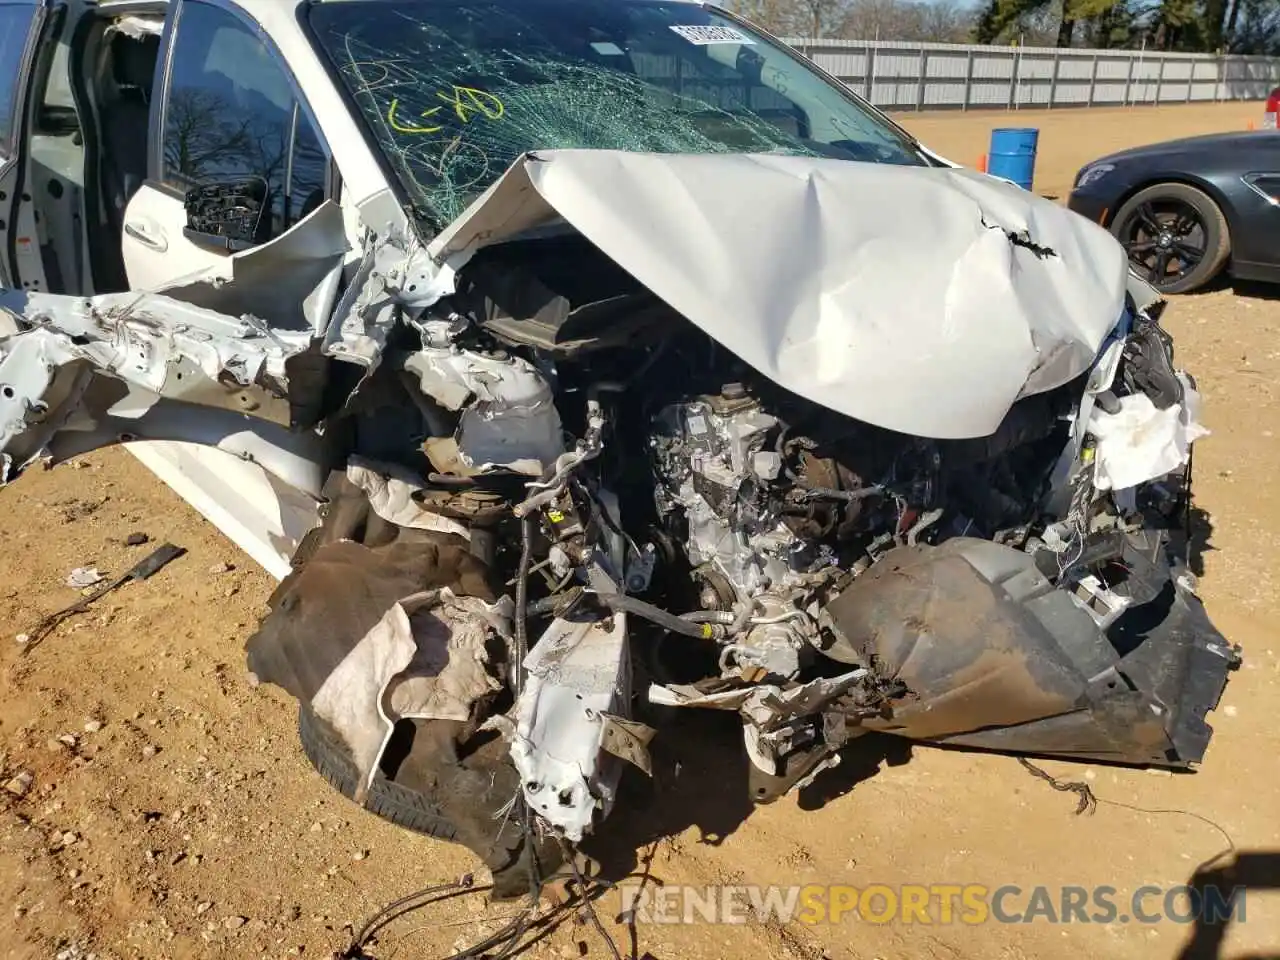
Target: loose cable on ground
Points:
(581, 882)
(509, 940)
(1089, 801)
(142, 570)
(397, 908)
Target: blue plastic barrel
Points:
(1013, 154)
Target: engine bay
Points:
(650, 501)
(556, 508)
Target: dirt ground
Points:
(171, 813)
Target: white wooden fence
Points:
(897, 75)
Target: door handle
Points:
(140, 232)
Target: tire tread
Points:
(400, 805)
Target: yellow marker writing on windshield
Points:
(403, 128)
(466, 100)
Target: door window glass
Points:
(232, 118)
(15, 24)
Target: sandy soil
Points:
(176, 816)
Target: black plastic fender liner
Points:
(442, 778)
(994, 656)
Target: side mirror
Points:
(232, 215)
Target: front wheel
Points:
(1175, 235)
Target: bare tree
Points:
(945, 21)
(873, 20)
(780, 17)
(822, 18)
(916, 20)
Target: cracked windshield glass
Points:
(454, 92)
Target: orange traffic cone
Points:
(1251, 126)
(982, 163)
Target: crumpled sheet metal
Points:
(217, 338)
(575, 690)
(366, 313)
(508, 420)
(142, 337)
(891, 294)
(769, 713)
(763, 705)
(290, 283)
(57, 406)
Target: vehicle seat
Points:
(125, 122)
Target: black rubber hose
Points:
(555, 603)
(668, 621)
(522, 602)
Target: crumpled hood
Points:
(922, 300)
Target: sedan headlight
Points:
(1093, 173)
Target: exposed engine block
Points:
(717, 485)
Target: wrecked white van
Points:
(568, 357)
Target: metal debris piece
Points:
(628, 740)
(143, 570)
(82, 577)
(576, 676)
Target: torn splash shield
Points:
(995, 656)
(366, 636)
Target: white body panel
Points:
(264, 517)
(155, 251)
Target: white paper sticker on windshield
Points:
(701, 35)
(607, 49)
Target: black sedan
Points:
(1188, 208)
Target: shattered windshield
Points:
(455, 91)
